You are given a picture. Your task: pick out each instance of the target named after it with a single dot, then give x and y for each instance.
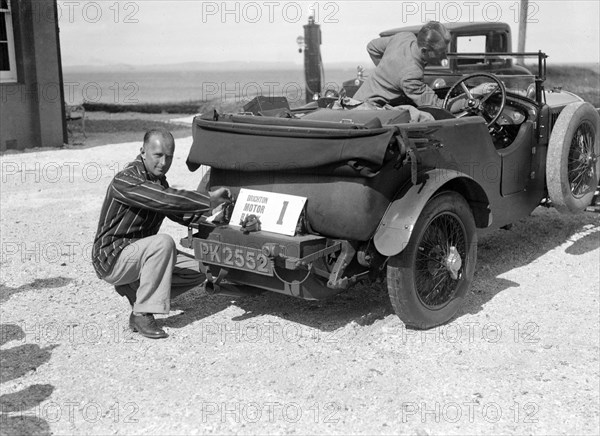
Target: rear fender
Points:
(396, 226)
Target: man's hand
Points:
(484, 89)
(220, 195)
(221, 213)
(221, 205)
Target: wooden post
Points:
(522, 30)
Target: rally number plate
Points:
(235, 256)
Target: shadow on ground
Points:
(38, 285)
(19, 411)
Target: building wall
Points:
(31, 112)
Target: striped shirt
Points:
(135, 206)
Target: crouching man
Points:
(128, 252)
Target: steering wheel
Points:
(474, 103)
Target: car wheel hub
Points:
(453, 263)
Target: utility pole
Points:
(522, 30)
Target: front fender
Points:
(396, 226)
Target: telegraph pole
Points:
(522, 30)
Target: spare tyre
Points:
(572, 164)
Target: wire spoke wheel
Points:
(429, 279)
(442, 242)
(572, 163)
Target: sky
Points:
(146, 32)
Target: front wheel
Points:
(427, 282)
(572, 164)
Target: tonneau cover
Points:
(249, 143)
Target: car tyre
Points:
(572, 164)
(426, 282)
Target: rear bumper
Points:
(288, 274)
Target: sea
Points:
(180, 85)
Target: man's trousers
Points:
(149, 268)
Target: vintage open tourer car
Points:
(326, 197)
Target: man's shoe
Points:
(145, 324)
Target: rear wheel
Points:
(428, 280)
(572, 164)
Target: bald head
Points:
(157, 151)
(162, 133)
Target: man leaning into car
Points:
(128, 252)
(400, 62)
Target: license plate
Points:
(235, 256)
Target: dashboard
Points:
(510, 116)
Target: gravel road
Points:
(522, 356)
